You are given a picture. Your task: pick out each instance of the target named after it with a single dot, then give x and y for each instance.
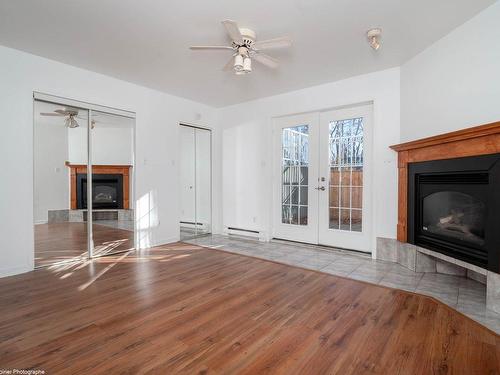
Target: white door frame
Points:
(212, 148)
(312, 233)
(90, 107)
(360, 241)
(303, 233)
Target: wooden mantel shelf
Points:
(459, 135)
(124, 170)
(478, 140)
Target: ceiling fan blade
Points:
(229, 65)
(51, 114)
(210, 47)
(234, 31)
(282, 42)
(266, 60)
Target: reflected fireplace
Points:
(454, 208)
(107, 191)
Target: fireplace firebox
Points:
(454, 208)
(107, 191)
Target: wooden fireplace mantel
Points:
(124, 170)
(478, 140)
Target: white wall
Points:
(247, 147)
(158, 116)
(110, 145)
(51, 175)
(455, 83)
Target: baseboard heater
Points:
(192, 223)
(243, 232)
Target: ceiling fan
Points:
(71, 115)
(246, 48)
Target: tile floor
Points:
(465, 295)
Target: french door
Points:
(323, 178)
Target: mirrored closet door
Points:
(72, 146)
(59, 134)
(196, 181)
(112, 188)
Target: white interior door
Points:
(187, 175)
(345, 173)
(322, 185)
(295, 182)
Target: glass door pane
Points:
(294, 175)
(346, 174)
(60, 159)
(112, 192)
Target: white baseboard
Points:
(160, 242)
(260, 235)
(11, 271)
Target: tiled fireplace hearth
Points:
(449, 207)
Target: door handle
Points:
(322, 188)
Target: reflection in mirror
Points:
(196, 181)
(112, 188)
(60, 231)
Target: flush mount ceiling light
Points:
(246, 48)
(373, 36)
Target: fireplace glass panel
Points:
(454, 215)
(107, 191)
(105, 194)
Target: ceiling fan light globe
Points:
(72, 123)
(247, 64)
(238, 63)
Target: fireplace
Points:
(107, 180)
(107, 191)
(454, 208)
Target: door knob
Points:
(322, 188)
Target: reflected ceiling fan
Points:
(246, 48)
(71, 115)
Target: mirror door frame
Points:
(89, 107)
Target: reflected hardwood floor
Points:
(58, 242)
(186, 309)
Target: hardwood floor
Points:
(191, 310)
(57, 242)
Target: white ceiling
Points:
(146, 42)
